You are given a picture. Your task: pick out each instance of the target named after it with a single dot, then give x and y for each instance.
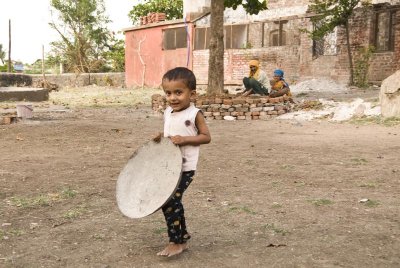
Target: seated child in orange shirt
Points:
(279, 87)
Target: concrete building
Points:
(274, 36)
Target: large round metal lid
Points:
(149, 178)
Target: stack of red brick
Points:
(240, 108)
(6, 119)
(152, 18)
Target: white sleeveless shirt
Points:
(183, 123)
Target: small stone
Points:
(229, 118)
(6, 224)
(363, 200)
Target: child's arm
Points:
(203, 137)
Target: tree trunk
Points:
(351, 82)
(216, 58)
(9, 46)
(44, 77)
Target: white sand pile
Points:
(321, 84)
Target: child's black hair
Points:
(181, 73)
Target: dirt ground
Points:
(266, 194)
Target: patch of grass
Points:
(275, 183)
(243, 209)
(276, 205)
(102, 96)
(287, 167)
(309, 105)
(321, 202)
(300, 183)
(372, 203)
(20, 202)
(160, 230)
(14, 232)
(378, 120)
(368, 185)
(2, 234)
(42, 200)
(68, 192)
(38, 201)
(98, 236)
(359, 161)
(275, 229)
(74, 213)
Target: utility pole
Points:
(9, 46)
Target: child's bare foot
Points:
(173, 249)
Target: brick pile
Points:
(152, 18)
(9, 118)
(237, 107)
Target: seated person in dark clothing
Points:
(257, 81)
(279, 87)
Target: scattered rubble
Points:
(307, 110)
(335, 111)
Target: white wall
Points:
(195, 6)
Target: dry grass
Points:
(379, 120)
(93, 96)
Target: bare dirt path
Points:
(266, 194)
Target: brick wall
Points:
(384, 64)
(236, 63)
(296, 58)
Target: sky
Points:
(30, 29)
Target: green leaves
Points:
(2, 54)
(251, 6)
(84, 35)
(329, 14)
(172, 9)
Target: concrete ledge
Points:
(23, 94)
(16, 80)
(84, 79)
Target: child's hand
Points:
(178, 140)
(157, 138)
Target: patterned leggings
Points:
(174, 212)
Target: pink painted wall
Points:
(157, 60)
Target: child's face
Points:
(178, 94)
(277, 77)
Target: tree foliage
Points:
(330, 14)
(83, 32)
(251, 6)
(116, 55)
(173, 9)
(2, 54)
